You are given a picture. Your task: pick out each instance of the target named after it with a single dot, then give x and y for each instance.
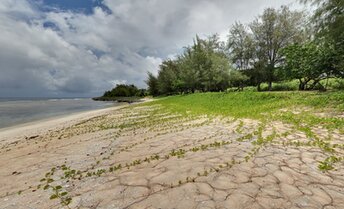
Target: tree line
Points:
(124, 90)
(278, 45)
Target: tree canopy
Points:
(122, 90)
(203, 66)
(329, 27)
(278, 45)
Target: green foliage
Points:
(333, 83)
(256, 105)
(328, 163)
(152, 83)
(168, 78)
(308, 62)
(237, 79)
(282, 86)
(57, 190)
(179, 153)
(123, 90)
(204, 66)
(338, 85)
(272, 31)
(329, 26)
(278, 46)
(256, 52)
(241, 46)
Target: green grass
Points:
(293, 85)
(263, 106)
(249, 104)
(298, 109)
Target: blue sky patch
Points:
(51, 25)
(83, 6)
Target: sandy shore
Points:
(147, 157)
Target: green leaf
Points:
(54, 196)
(58, 187)
(64, 193)
(46, 187)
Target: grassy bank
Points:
(335, 84)
(250, 104)
(304, 112)
(298, 108)
(118, 99)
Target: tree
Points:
(309, 63)
(237, 79)
(152, 83)
(212, 66)
(241, 46)
(122, 90)
(273, 31)
(329, 25)
(189, 74)
(167, 77)
(217, 77)
(203, 66)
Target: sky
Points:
(80, 48)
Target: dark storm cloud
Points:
(77, 84)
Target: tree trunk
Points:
(313, 85)
(271, 68)
(270, 86)
(302, 85)
(322, 88)
(258, 87)
(326, 83)
(241, 87)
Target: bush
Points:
(333, 83)
(123, 90)
(282, 86)
(339, 84)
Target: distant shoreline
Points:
(119, 99)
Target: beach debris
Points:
(32, 137)
(16, 173)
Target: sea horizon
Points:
(39, 98)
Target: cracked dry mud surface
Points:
(147, 157)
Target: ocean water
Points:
(19, 111)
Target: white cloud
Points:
(87, 54)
